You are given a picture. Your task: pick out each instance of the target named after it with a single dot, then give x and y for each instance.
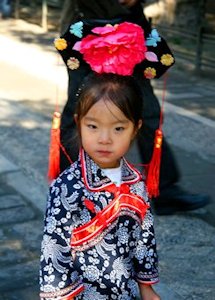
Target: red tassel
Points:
(54, 148)
(153, 174)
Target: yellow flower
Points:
(167, 59)
(73, 63)
(60, 44)
(150, 73)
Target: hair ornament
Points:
(153, 38)
(118, 48)
(73, 63)
(167, 59)
(80, 88)
(150, 73)
(77, 29)
(113, 49)
(60, 44)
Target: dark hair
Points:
(123, 91)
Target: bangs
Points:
(120, 90)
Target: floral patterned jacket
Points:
(98, 238)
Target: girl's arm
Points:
(147, 292)
(58, 278)
(145, 255)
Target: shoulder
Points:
(67, 187)
(140, 186)
(70, 175)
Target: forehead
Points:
(105, 109)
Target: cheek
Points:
(124, 144)
(86, 139)
(86, 144)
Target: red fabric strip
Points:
(90, 230)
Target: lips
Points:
(103, 152)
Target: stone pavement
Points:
(20, 233)
(186, 242)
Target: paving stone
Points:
(2, 191)
(16, 214)
(169, 294)
(195, 293)
(4, 188)
(186, 254)
(19, 276)
(31, 233)
(6, 165)
(12, 252)
(31, 293)
(9, 201)
(195, 104)
(2, 237)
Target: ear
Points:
(139, 125)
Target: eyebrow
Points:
(116, 122)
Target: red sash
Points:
(85, 233)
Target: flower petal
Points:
(77, 46)
(151, 56)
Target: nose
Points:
(104, 137)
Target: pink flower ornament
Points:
(113, 49)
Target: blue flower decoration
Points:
(153, 38)
(77, 29)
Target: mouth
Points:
(103, 152)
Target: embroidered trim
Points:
(155, 280)
(92, 229)
(147, 276)
(129, 174)
(74, 293)
(130, 179)
(74, 289)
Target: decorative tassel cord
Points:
(55, 143)
(153, 168)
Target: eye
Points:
(119, 129)
(91, 126)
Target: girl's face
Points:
(106, 133)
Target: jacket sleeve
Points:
(145, 254)
(58, 278)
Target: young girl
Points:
(98, 239)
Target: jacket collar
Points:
(95, 179)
